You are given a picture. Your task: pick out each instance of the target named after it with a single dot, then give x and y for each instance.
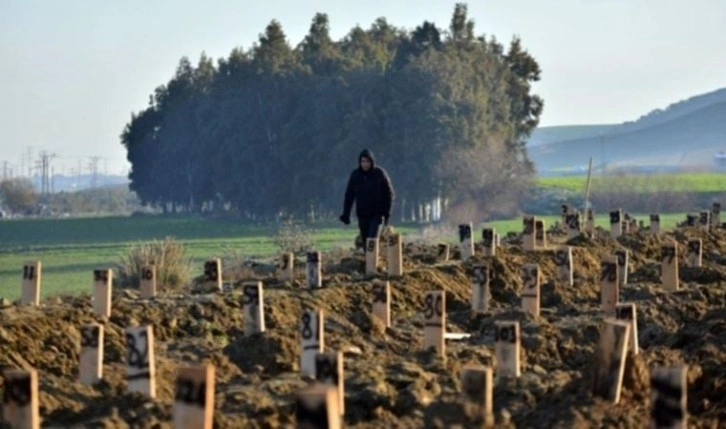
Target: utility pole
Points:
(43, 165)
(93, 168)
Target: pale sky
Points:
(71, 72)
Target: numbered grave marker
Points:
(563, 261)
(194, 397)
(609, 290)
(102, 285)
(704, 220)
(253, 307)
(625, 226)
(610, 360)
(540, 234)
(141, 370)
(507, 349)
(442, 254)
(20, 400)
(655, 224)
(30, 287)
(488, 241)
(477, 388)
(466, 243)
(669, 397)
(480, 289)
(213, 273)
(434, 311)
(148, 281)
(382, 302)
(329, 371)
(669, 267)
(287, 267)
(716, 215)
(371, 256)
(616, 223)
(573, 225)
(316, 407)
(626, 311)
(314, 270)
(528, 232)
(691, 220)
(312, 339)
(497, 240)
(695, 252)
(395, 255)
(531, 278)
(91, 357)
(623, 266)
(590, 222)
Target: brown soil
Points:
(394, 383)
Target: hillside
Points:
(557, 133)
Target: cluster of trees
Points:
(275, 130)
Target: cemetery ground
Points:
(390, 380)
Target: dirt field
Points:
(390, 381)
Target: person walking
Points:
(371, 190)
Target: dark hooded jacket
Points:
(371, 190)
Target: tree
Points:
(19, 196)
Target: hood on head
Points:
(366, 153)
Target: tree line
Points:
(274, 130)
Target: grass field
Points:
(687, 182)
(70, 249)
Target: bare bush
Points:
(293, 237)
(173, 267)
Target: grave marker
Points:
(695, 252)
(434, 311)
(371, 256)
(610, 360)
(655, 224)
(148, 281)
(382, 302)
(669, 397)
(141, 370)
(563, 262)
(691, 220)
(91, 357)
(287, 267)
(329, 371)
(573, 225)
(466, 243)
(253, 307)
(590, 222)
(312, 339)
(704, 220)
(540, 234)
(716, 215)
(625, 226)
(442, 252)
(528, 242)
(194, 397)
(213, 272)
(626, 311)
(316, 407)
(488, 241)
(669, 266)
(609, 290)
(616, 223)
(395, 255)
(507, 349)
(314, 270)
(30, 287)
(480, 289)
(530, 291)
(497, 240)
(477, 388)
(102, 284)
(563, 215)
(623, 266)
(20, 400)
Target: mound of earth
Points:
(390, 380)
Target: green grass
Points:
(687, 182)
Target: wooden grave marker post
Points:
(573, 225)
(90, 368)
(141, 370)
(497, 239)
(609, 290)
(669, 266)
(616, 223)
(480, 289)
(623, 256)
(691, 220)
(20, 400)
(287, 267)
(329, 371)
(442, 252)
(312, 337)
(669, 397)
(627, 312)
(531, 278)
(435, 321)
(716, 215)
(395, 255)
(563, 261)
(528, 242)
(655, 223)
(314, 270)
(147, 285)
(194, 397)
(316, 407)
(540, 235)
(488, 241)
(704, 220)
(625, 226)
(563, 215)
(102, 285)
(466, 243)
(610, 360)
(507, 349)
(213, 273)
(371, 256)
(30, 287)
(590, 223)
(382, 302)
(253, 307)
(477, 388)
(695, 252)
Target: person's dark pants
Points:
(369, 227)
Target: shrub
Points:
(293, 237)
(173, 267)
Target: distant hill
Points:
(557, 133)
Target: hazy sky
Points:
(71, 72)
